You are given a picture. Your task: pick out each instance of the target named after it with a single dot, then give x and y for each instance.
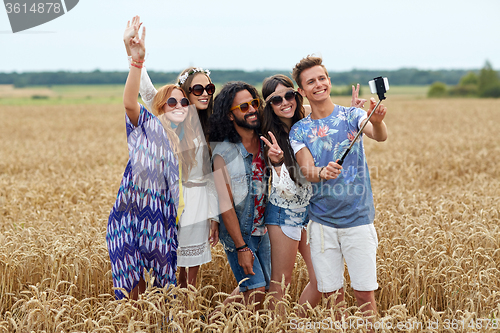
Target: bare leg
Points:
(192, 275)
(138, 289)
(363, 297)
(310, 293)
(236, 296)
(182, 282)
(257, 297)
(338, 299)
(283, 255)
(231, 298)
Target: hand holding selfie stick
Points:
(378, 85)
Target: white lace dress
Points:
(200, 200)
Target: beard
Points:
(243, 123)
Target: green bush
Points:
(437, 89)
(492, 90)
(467, 90)
(469, 79)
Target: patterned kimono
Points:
(142, 232)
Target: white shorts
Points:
(330, 246)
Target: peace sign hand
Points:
(355, 100)
(275, 153)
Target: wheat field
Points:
(436, 185)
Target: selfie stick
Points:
(380, 86)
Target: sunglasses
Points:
(289, 96)
(197, 89)
(244, 107)
(172, 102)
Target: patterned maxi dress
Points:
(142, 230)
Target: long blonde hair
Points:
(184, 148)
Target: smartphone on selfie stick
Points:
(379, 86)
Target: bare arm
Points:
(312, 172)
(230, 220)
(138, 51)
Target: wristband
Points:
(138, 61)
(319, 173)
(241, 247)
(135, 65)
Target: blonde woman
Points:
(142, 231)
(198, 228)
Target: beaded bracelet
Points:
(245, 249)
(138, 61)
(137, 66)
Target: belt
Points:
(191, 184)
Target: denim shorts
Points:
(261, 265)
(284, 216)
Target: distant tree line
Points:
(486, 83)
(405, 76)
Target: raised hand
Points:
(379, 114)
(355, 100)
(275, 153)
(130, 32)
(137, 44)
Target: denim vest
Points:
(239, 166)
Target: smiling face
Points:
(176, 114)
(250, 119)
(287, 108)
(316, 84)
(201, 102)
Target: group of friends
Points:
(259, 174)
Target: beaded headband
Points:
(184, 76)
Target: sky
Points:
(258, 35)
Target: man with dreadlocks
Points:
(241, 182)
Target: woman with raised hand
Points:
(198, 227)
(142, 233)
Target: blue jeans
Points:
(276, 215)
(261, 247)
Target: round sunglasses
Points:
(289, 96)
(197, 89)
(244, 107)
(172, 102)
